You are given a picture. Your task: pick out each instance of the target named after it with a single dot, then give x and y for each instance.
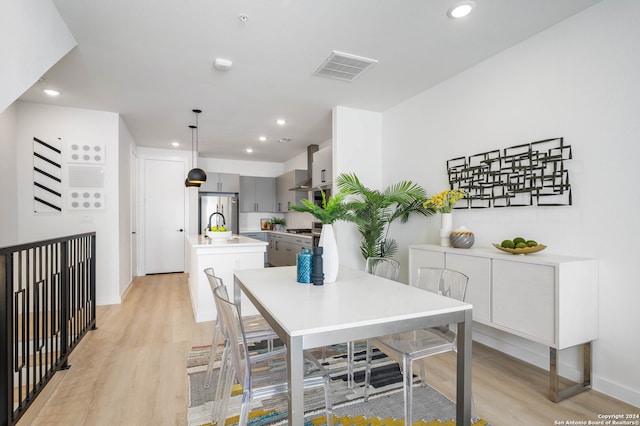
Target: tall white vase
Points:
(446, 226)
(330, 260)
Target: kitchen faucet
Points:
(215, 213)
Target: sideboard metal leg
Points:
(555, 394)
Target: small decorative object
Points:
(265, 224)
(519, 245)
(219, 235)
(462, 238)
(278, 223)
(446, 224)
(443, 202)
(331, 210)
(331, 261)
(304, 264)
(317, 274)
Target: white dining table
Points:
(356, 306)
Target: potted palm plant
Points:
(328, 212)
(374, 211)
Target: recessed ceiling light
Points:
(461, 9)
(281, 122)
(284, 140)
(249, 150)
(262, 138)
(51, 92)
(222, 64)
(175, 144)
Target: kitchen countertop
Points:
(199, 241)
(305, 235)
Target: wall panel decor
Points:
(47, 175)
(74, 172)
(523, 175)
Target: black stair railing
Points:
(47, 304)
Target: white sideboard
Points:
(546, 298)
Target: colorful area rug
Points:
(384, 407)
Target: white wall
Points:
(74, 125)
(577, 80)
(33, 37)
(8, 176)
(356, 149)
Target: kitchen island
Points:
(224, 257)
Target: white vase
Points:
(330, 260)
(446, 225)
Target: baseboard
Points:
(538, 355)
(617, 391)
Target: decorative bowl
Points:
(461, 238)
(220, 236)
(523, 250)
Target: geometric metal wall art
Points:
(522, 175)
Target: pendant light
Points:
(196, 175)
(186, 181)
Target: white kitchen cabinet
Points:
(225, 257)
(545, 298)
(257, 194)
(262, 236)
(221, 182)
(285, 197)
(322, 172)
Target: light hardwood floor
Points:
(131, 371)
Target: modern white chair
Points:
(270, 376)
(255, 326)
(419, 344)
(383, 267)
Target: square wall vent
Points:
(344, 66)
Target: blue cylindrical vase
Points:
(305, 262)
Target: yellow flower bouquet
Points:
(444, 201)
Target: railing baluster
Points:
(47, 304)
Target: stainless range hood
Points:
(307, 184)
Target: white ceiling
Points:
(152, 62)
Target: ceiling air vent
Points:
(344, 66)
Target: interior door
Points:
(164, 220)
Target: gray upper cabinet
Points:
(221, 182)
(257, 194)
(322, 168)
(284, 196)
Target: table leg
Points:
(463, 389)
(295, 361)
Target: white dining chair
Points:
(255, 326)
(270, 376)
(419, 344)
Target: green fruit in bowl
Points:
(214, 229)
(508, 244)
(518, 240)
(222, 229)
(521, 245)
(531, 243)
